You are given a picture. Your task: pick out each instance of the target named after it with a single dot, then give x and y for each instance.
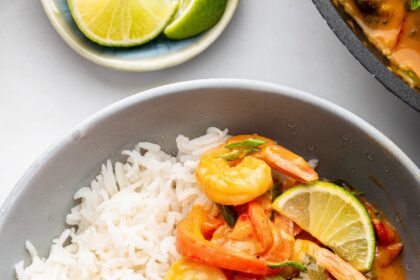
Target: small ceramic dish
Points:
(158, 54)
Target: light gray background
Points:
(46, 88)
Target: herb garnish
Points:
(228, 214)
(239, 150)
(294, 264)
(275, 191)
(314, 271)
(247, 143)
(415, 4)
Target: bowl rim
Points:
(217, 83)
(365, 57)
(144, 64)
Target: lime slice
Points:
(194, 17)
(333, 216)
(122, 23)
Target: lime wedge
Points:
(194, 17)
(333, 216)
(122, 23)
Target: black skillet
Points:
(365, 52)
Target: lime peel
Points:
(194, 17)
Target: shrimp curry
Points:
(275, 219)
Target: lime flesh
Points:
(333, 216)
(122, 23)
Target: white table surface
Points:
(46, 88)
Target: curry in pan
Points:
(393, 26)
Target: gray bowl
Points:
(347, 147)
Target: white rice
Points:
(313, 162)
(123, 227)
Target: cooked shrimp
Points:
(239, 171)
(232, 185)
(281, 159)
(385, 255)
(189, 270)
(228, 253)
(326, 259)
(388, 239)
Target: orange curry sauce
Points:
(394, 30)
(394, 271)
